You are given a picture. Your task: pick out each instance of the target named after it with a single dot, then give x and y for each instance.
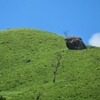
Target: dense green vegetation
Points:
(28, 58)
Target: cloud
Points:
(95, 40)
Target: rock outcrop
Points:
(75, 43)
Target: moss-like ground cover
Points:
(27, 62)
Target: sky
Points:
(76, 17)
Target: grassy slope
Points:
(78, 76)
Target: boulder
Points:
(28, 60)
(75, 43)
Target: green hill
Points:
(29, 59)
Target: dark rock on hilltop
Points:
(74, 43)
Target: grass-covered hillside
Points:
(36, 65)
